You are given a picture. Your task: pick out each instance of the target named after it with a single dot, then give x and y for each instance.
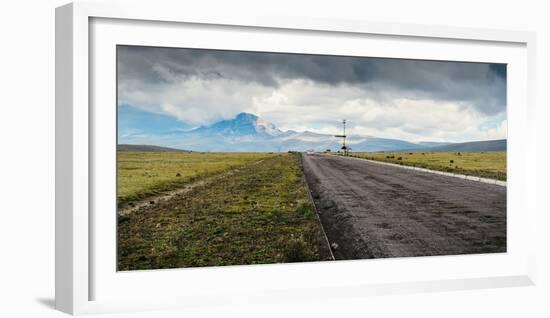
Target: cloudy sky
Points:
(404, 99)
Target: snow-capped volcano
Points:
(248, 132)
(266, 127)
(244, 124)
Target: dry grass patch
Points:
(261, 214)
(481, 164)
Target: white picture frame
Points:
(78, 158)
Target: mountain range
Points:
(146, 148)
(248, 132)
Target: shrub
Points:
(399, 158)
(452, 161)
(306, 210)
(296, 250)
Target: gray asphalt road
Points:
(373, 211)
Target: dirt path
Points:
(258, 214)
(133, 206)
(373, 211)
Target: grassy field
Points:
(260, 214)
(142, 174)
(482, 164)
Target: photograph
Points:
(228, 157)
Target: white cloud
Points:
(195, 101)
(499, 132)
(302, 104)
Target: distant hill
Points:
(472, 146)
(433, 143)
(248, 132)
(146, 148)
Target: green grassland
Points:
(481, 164)
(260, 214)
(143, 174)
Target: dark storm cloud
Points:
(481, 85)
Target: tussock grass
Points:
(260, 214)
(481, 164)
(143, 174)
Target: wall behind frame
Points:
(27, 132)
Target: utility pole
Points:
(344, 147)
